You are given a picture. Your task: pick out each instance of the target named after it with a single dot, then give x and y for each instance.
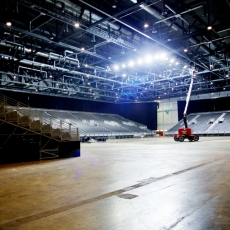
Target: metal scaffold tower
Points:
(31, 134)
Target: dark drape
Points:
(205, 105)
(144, 113)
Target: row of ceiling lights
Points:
(76, 24)
(147, 60)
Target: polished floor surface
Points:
(132, 184)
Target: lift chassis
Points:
(187, 133)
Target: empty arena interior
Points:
(92, 96)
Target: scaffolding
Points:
(18, 119)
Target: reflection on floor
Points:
(140, 184)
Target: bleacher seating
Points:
(97, 124)
(130, 125)
(109, 123)
(211, 123)
(73, 118)
(68, 125)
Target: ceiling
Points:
(114, 51)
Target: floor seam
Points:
(97, 198)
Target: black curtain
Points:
(205, 105)
(144, 113)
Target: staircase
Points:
(27, 121)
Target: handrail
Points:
(37, 120)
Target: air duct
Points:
(175, 27)
(157, 15)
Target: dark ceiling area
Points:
(114, 51)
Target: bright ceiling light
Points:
(8, 23)
(123, 65)
(77, 24)
(116, 67)
(209, 27)
(146, 25)
(123, 75)
(148, 58)
(131, 63)
(172, 60)
(185, 50)
(162, 56)
(140, 61)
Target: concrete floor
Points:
(139, 184)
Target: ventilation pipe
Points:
(76, 10)
(51, 67)
(175, 27)
(157, 15)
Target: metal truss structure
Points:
(114, 51)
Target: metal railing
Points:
(36, 120)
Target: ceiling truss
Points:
(45, 51)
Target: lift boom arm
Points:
(192, 72)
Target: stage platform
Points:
(139, 184)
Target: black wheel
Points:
(175, 138)
(181, 138)
(196, 138)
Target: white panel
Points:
(160, 118)
(167, 115)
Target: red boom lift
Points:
(187, 133)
